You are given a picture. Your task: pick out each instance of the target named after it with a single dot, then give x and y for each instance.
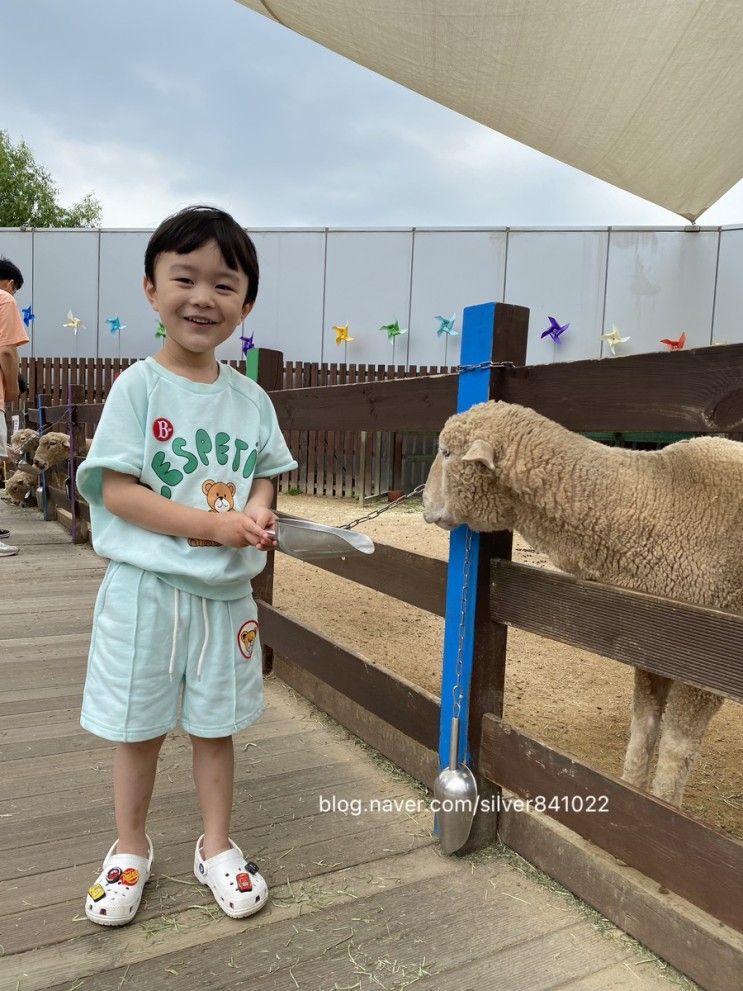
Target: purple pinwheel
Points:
(554, 330)
(247, 343)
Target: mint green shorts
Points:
(155, 649)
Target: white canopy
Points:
(646, 94)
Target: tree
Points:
(28, 194)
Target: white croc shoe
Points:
(237, 885)
(114, 897)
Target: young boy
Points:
(178, 484)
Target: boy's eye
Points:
(228, 288)
(183, 279)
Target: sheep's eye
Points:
(444, 452)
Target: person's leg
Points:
(214, 774)
(135, 765)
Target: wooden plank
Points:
(644, 832)
(689, 939)
(330, 465)
(419, 403)
(703, 647)
(509, 340)
(413, 578)
(383, 693)
(696, 390)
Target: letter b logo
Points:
(162, 429)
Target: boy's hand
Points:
(236, 529)
(266, 519)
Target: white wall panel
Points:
(17, 247)
(287, 315)
(728, 321)
(367, 284)
(661, 284)
(65, 278)
(559, 274)
(451, 270)
(122, 296)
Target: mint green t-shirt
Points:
(198, 444)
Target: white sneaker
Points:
(7, 550)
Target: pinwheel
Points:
(160, 331)
(554, 330)
(115, 325)
(614, 338)
(341, 333)
(28, 315)
(677, 345)
(246, 343)
(447, 325)
(74, 322)
(393, 330)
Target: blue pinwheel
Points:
(28, 315)
(554, 330)
(446, 325)
(115, 325)
(247, 343)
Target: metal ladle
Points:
(455, 789)
(309, 541)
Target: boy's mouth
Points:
(200, 321)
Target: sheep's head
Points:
(18, 486)
(464, 484)
(22, 442)
(53, 449)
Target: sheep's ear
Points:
(482, 452)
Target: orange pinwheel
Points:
(677, 345)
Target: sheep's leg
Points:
(685, 721)
(650, 695)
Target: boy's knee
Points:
(145, 745)
(210, 741)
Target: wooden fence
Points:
(698, 391)
(330, 462)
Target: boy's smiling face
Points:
(199, 298)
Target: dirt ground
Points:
(569, 698)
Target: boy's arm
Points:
(261, 494)
(125, 497)
(9, 372)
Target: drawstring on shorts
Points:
(171, 666)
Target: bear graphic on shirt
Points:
(221, 499)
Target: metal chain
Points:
(385, 509)
(483, 365)
(457, 694)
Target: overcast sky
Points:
(153, 104)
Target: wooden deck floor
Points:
(357, 901)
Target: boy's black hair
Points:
(192, 227)
(10, 271)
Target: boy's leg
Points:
(135, 765)
(214, 774)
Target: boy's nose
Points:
(201, 295)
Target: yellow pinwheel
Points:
(74, 322)
(341, 334)
(614, 338)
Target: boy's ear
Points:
(247, 307)
(150, 292)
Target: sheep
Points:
(663, 522)
(22, 442)
(53, 449)
(18, 486)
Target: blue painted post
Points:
(42, 475)
(474, 387)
